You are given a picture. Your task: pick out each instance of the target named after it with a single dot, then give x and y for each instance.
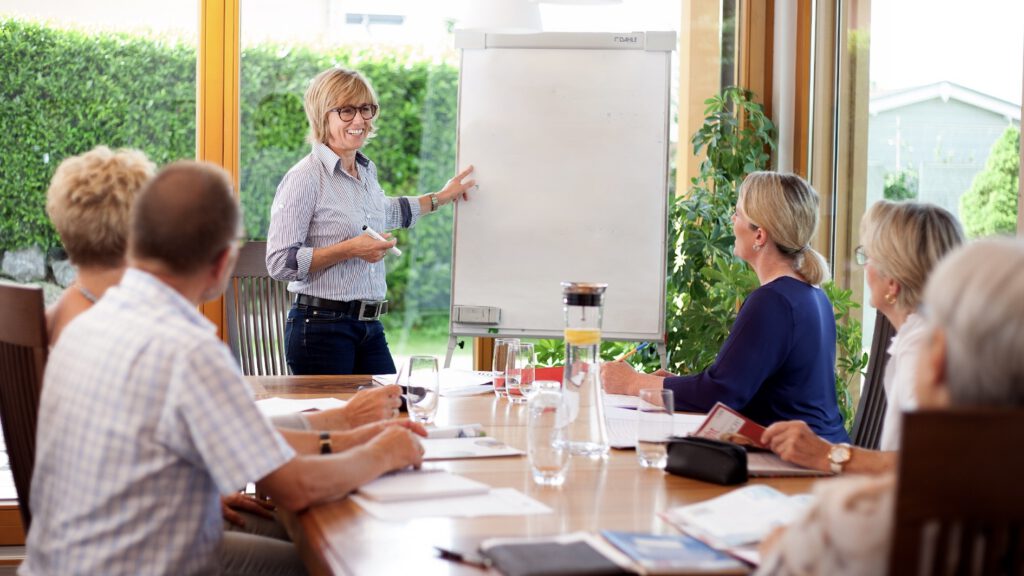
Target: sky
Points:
(978, 44)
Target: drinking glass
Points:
(520, 372)
(502, 347)
(547, 448)
(654, 427)
(419, 378)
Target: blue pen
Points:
(631, 352)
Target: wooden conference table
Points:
(340, 538)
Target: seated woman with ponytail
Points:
(778, 362)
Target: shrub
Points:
(70, 91)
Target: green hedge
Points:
(63, 92)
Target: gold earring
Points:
(890, 298)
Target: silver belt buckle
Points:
(372, 305)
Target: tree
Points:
(990, 206)
(901, 185)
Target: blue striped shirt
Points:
(144, 420)
(317, 205)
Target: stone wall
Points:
(53, 271)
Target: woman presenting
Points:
(778, 362)
(319, 239)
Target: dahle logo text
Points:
(631, 39)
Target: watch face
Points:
(839, 454)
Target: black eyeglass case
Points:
(707, 460)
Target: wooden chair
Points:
(23, 350)
(867, 423)
(959, 508)
(257, 309)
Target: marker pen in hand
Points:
(373, 234)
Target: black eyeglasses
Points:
(347, 113)
(860, 255)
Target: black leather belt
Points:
(364, 310)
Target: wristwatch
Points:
(433, 202)
(838, 456)
(325, 442)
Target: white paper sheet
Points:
(743, 516)
(456, 448)
(278, 406)
(497, 502)
(453, 382)
(474, 430)
(426, 484)
(622, 422)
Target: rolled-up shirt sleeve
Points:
(288, 256)
(399, 212)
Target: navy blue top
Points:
(778, 362)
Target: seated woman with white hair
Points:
(973, 312)
(902, 244)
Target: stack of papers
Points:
(737, 521)
(428, 493)
(453, 383)
(622, 423)
(416, 485)
(456, 448)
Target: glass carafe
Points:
(582, 303)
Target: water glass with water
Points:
(654, 427)
(419, 377)
(502, 347)
(520, 372)
(547, 446)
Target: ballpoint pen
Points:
(631, 352)
(470, 558)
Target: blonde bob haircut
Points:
(89, 202)
(333, 88)
(786, 207)
(974, 297)
(905, 240)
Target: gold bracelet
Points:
(433, 202)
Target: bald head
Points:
(185, 217)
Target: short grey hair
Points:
(976, 295)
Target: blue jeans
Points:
(320, 341)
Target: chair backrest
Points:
(257, 309)
(959, 508)
(867, 422)
(23, 350)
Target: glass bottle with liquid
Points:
(583, 305)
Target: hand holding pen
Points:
(636, 349)
(373, 234)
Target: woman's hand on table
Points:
(400, 445)
(344, 440)
(795, 442)
(372, 405)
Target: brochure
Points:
(724, 423)
(673, 554)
